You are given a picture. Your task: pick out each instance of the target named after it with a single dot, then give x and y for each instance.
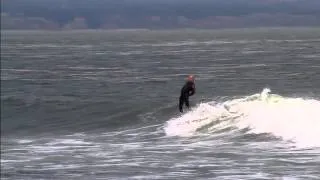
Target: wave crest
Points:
(292, 119)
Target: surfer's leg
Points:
(181, 99)
(186, 100)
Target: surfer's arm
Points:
(192, 91)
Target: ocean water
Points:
(104, 104)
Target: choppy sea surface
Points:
(104, 104)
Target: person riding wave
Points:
(187, 90)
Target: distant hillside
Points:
(82, 14)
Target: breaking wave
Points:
(292, 119)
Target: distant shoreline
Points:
(161, 29)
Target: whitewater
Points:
(293, 119)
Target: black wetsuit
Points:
(187, 90)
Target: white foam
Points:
(24, 141)
(188, 123)
(292, 119)
(69, 142)
(192, 43)
(127, 53)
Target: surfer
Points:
(187, 90)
